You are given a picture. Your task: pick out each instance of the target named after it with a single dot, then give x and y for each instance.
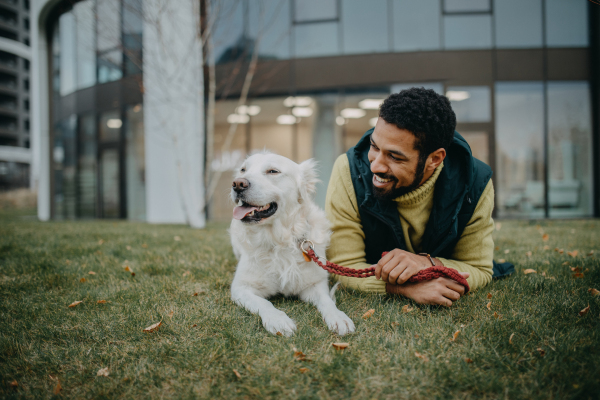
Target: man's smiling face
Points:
(396, 165)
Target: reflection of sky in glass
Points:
(467, 5)
(311, 10)
(416, 25)
(67, 53)
(314, 40)
(476, 107)
(567, 23)
(518, 23)
(86, 52)
(270, 19)
(467, 31)
(228, 25)
(364, 26)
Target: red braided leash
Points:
(423, 275)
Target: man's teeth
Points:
(381, 179)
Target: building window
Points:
(87, 168)
(467, 6)
(108, 40)
(467, 32)
(470, 103)
(356, 14)
(269, 21)
(567, 23)
(416, 25)
(310, 11)
(135, 163)
(133, 24)
(518, 23)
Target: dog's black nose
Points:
(240, 184)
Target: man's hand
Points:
(439, 291)
(398, 266)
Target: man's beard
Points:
(395, 192)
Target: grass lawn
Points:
(209, 348)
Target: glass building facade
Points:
(519, 75)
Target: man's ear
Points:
(435, 159)
(307, 180)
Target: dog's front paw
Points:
(340, 323)
(278, 322)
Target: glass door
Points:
(109, 160)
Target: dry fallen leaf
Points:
(102, 372)
(422, 356)
(591, 253)
(100, 241)
(506, 251)
(594, 292)
(195, 325)
(82, 280)
(584, 311)
(57, 388)
(489, 295)
(152, 328)
(128, 269)
(195, 294)
(496, 315)
(75, 303)
(171, 314)
(14, 384)
(101, 302)
(92, 273)
(186, 273)
(368, 314)
(530, 271)
(545, 237)
(279, 333)
(578, 275)
(489, 306)
(528, 254)
(300, 356)
(497, 248)
(573, 253)
(546, 247)
(560, 251)
(468, 360)
(576, 269)
(501, 260)
(144, 245)
(340, 346)
(177, 238)
(237, 374)
(395, 323)
(128, 247)
(510, 338)
(542, 351)
(454, 336)
(406, 308)
(303, 370)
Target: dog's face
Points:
(268, 185)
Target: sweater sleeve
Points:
(347, 246)
(474, 251)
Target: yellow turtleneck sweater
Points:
(473, 252)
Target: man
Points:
(410, 186)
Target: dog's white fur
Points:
(270, 261)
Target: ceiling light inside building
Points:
(340, 120)
(373, 121)
(286, 119)
(370, 104)
(137, 108)
(301, 101)
(302, 111)
(457, 95)
(114, 123)
(238, 119)
(248, 110)
(353, 113)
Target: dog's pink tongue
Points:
(241, 211)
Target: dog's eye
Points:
(272, 171)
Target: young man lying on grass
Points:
(411, 185)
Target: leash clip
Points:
(309, 246)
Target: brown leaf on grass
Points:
(406, 308)
(128, 269)
(498, 226)
(510, 338)
(152, 328)
(14, 384)
(239, 376)
(186, 273)
(501, 260)
(489, 305)
(368, 314)
(506, 251)
(497, 248)
(340, 346)
(468, 360)
(422, 356)
(578, 275)
(171, 314)
(565, 263)
(300, 356)
(100, 242)
(303, 370)
(546, 247)
(57, 388)
(489, 295)
(544, 274)
(102, 372)
(395, 323)
(584, 311)
(542, 351)
(560, 251)
(195, 294)
(594, 292)
(591, 253)
(75, 303)
(454, 336)
(92, 273)
(530, 271)
(144, 245)
(128, 247)
(195, 325)
(576, 269)
(496, 315)
(82, 280)
(279, 333)
(573, 253)
(545, 237)
(101, 302)
(528, 254)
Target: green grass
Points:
(195, 351)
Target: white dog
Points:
(274, 215)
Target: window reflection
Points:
(87, 166)
(569, 149)
(567, 23)
(135, 163)
(110, 56)
(470, 103)
(356, 14)
(467, 31)
(85, 37)
(229, 40)
(416, 25)
(64, 162)
(269, 22)
(518, 23)
(466, 5)
(315, 10)
(110, 126)
(314, 40)
(519, 177)
(67, 54)
(132, 35)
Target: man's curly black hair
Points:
(425, 114)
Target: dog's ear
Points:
(307, 180)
